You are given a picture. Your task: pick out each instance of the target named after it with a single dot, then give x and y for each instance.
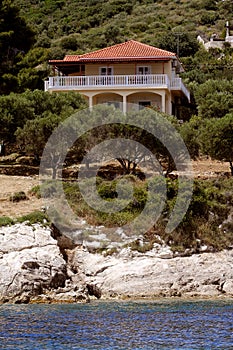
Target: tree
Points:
(16, 38)
(190, 134)
(182, 43)
(216, 138)
(35, 133)
(17, 109)
(214, 98)
(144, 145)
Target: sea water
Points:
(118, 325)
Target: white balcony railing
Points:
(177, 84)
(81, 83)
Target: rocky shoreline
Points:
(38, 266)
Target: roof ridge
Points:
(143, 44)
(130, 49)
(100, 50)
(108, 47)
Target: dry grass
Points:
(10, 184)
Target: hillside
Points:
(77, 25)
(34, 31)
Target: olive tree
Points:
(216, 138)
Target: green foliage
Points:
(214, 98)
(16, 38)
(34, 218)
(190, 134)
(35, 191)
(125, 17)
(69, 43)
(107, 191)
(18, 196)
(80, 26)
(5, 221)
(35, 110)
(180, 42)
(211, 204)
(216, 138)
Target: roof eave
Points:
(114, 59)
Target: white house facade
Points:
(123, 74)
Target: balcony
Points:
(114, 82)
(177, 84)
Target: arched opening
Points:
(145, 99)
(108, 98)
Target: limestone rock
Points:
(40, 265)
(198, 275)
(228, 286)
(30, 263)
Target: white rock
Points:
(31, 262)
(228, 287)
(121, 275)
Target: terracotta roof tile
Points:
(129, 50)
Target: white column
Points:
(91, 102)
(169, 105)
(163, 107)
(124, 104)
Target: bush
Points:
(35, 191)
(202, 224)
(18, 196)
(5, 221)
(34, 218)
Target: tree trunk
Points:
(231, 167)
(54, 174)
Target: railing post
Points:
(46, 85)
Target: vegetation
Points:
(34, 218)
(5, 221)
(32, 32)
(32, 115)
(205, 223)
(16, 38)
(18, 196)
(216, 139)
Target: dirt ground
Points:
(208, 168)
(9, 184)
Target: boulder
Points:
(31, 263)
(227, 286)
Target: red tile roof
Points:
(128, 51)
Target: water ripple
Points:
(118, 325)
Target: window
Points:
(143, 104)
(106, 70)
(80, 68)
(143, 70)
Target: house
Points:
(215, 42)
(123, 74)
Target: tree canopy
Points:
(16, 38)
(216, 138)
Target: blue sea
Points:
(118, 325)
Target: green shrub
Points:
(34, 217)
(18, 196)
(5, 221)
(35, 191)
(212, 201)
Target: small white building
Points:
(215, 41)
